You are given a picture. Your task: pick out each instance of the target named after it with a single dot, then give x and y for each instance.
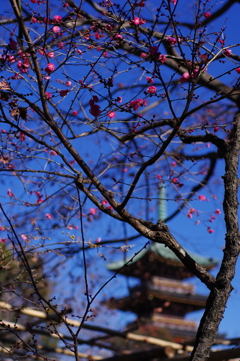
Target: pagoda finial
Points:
(162, 205)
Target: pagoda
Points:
(162, 298)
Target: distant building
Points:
(162, 299)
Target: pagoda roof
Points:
(150, 259)
(144, 300)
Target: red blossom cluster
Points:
(190, 213)
(135, 104)
(12, 44)
(186, 76)
(39, 197)
(138, 21)
(95, 109)
(23, 64)
(154, 52)
(172, 40)
(64, 92)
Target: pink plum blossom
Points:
(162, 58)
(93, 211)
(10, 59)
(56, 29)
(152, 89)
(195, 73)
(149, 80)
(42, 51)
(10, 193)
(207, 15)
(51, 54)
(48, 95)
(185, 77)
(111, 114)
(57, 18)
(48, 215)
(227, 52)
(171, 40)
(192, 210)
(50, 68)
(201, 197)
(138, 21)
(118, 36)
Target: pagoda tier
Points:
(160, 295)
(167, 327)
(158, 260)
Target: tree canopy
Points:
(105, 110)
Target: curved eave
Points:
(163, 255)
(147, 301)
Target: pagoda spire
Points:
(162, 203)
